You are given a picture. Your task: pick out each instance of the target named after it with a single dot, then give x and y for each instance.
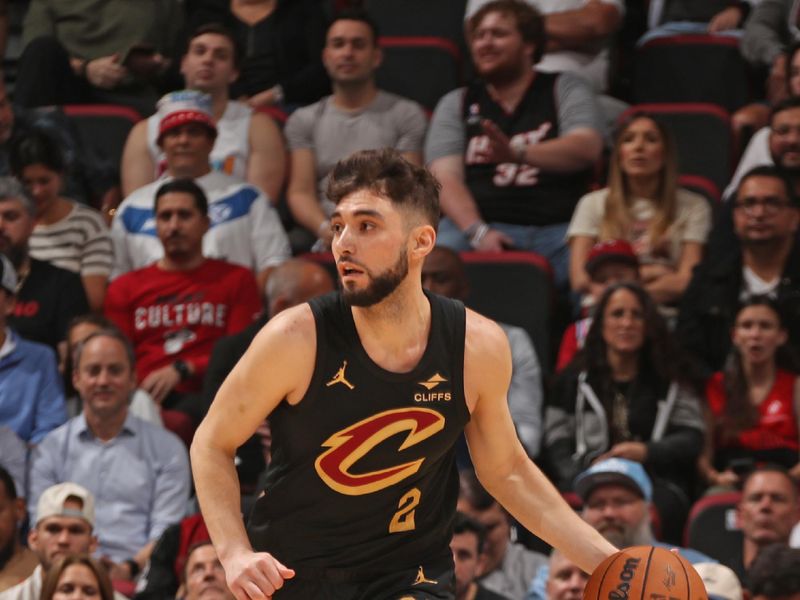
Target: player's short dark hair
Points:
(356, 14)
(218, 29)
(775, 572)
(184, 186)
(8, 483)
(466, 524)
(529, 20)
(774, 172)
(386, 173)
(36, 147)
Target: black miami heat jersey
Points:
(363, 471)
(511, 192)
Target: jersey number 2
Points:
(403, 519)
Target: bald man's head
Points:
(443, 273)
(294, 282)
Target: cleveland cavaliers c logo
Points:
(347, 446)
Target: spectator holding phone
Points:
(754, 400)
(113, 51)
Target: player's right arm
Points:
(137, 164)
(277, 367)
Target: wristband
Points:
(183, 369)
(475, 233)
(277, 93)
(133, 566)
(518, 148)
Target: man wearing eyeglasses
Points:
(764, 260)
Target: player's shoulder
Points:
(483, 335)
(295, 325)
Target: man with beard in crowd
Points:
(764, 260)
(777, 144)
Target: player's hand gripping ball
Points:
(645, 573)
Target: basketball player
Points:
(367, 391)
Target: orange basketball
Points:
(645, 573)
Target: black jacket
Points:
(708, 307)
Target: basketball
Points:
(645, 573)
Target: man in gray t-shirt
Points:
(357, 116)
(513, 151)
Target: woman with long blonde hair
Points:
(667, 225)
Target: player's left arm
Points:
(501, 463)
(266, 165)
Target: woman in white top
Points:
(68, 235)
(643, 204)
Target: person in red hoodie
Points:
(176, 308)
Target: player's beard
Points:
(380, 286)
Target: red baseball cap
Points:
(185, 106)
(611, 251)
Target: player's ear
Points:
(423, 239)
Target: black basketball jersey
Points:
(363, 471)
(511, 192)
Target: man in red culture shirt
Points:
(176, 308)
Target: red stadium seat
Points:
(711, 527)
(691, 68)
(703, 137)
(423, 48)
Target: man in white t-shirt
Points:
(245, 228)
(357, 116)
(248, 145)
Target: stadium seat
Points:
(100, 131)
(711, 527)
(703, 137)
(423, 47)
(691, 68)
(701, 185)
(512, 287)
(422, 68)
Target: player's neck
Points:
(394, 332)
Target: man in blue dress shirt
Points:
(137, 472)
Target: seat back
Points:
(691, 68)
(702, 135)
(711, 527)
(514, 288)
(423, 47)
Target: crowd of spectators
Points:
(677, 374)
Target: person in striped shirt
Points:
(67, 234)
